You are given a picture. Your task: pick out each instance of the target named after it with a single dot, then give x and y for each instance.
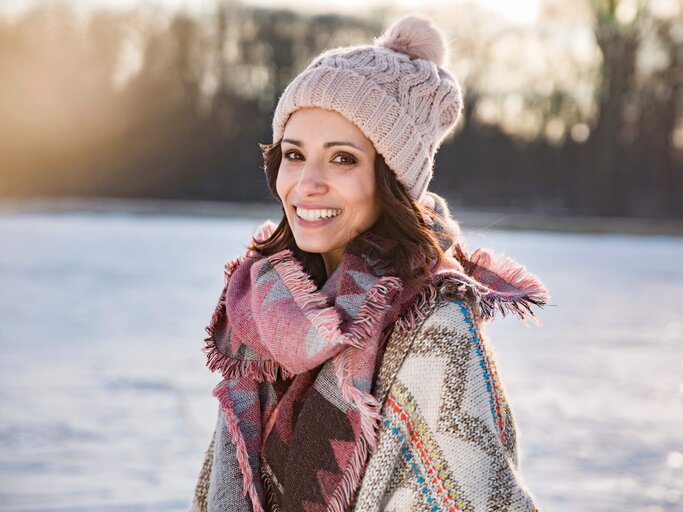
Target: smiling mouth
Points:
(313, 215)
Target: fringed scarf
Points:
(298, 362)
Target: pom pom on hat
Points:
(416, 36)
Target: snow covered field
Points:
(105, 401)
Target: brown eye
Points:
(349, 160)
(288, 153)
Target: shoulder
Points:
(449, 365)
(450, 312)
(449, 334)
(452, 352)
(453, 315)
(445, 422)
(449, 323)
(449, 337)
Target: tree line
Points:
(141, 103)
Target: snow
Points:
(105, 402)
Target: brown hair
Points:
(402, 243)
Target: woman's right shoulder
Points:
(444, 405)
(454, 315)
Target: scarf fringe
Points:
(509, 288)
(488, 302)
(527, 287)
(271, 502)
(215, 359)
(416, 312)
(229, 367)
(343, 495)
(367, 405)
(222, 393)
(324, 317)
(376, 302)
(230, 267)
(304, 290)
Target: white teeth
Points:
(316, 214)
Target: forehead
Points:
(315, 123)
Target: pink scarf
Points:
(273, 324)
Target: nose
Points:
(311, 180)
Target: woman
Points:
(349, 336)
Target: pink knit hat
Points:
(395, 91)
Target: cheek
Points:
(363, 195)
(281, 186)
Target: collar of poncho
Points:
(309, 440)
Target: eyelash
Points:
(351, 159)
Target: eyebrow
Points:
(326, 145)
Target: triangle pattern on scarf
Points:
(342, 451)
(328, 482)
(362, 279)
(264, 277)
(277, 291)
(314, 342)
(311, 506)
(351, 303)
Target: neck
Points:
(332, 260)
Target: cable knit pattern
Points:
(403, 103)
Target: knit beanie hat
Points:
(395, 91)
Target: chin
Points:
(312, 246)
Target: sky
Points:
(519, 11)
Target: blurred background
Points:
(130, 171)
(572, 107)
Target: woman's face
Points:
(326, 182)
